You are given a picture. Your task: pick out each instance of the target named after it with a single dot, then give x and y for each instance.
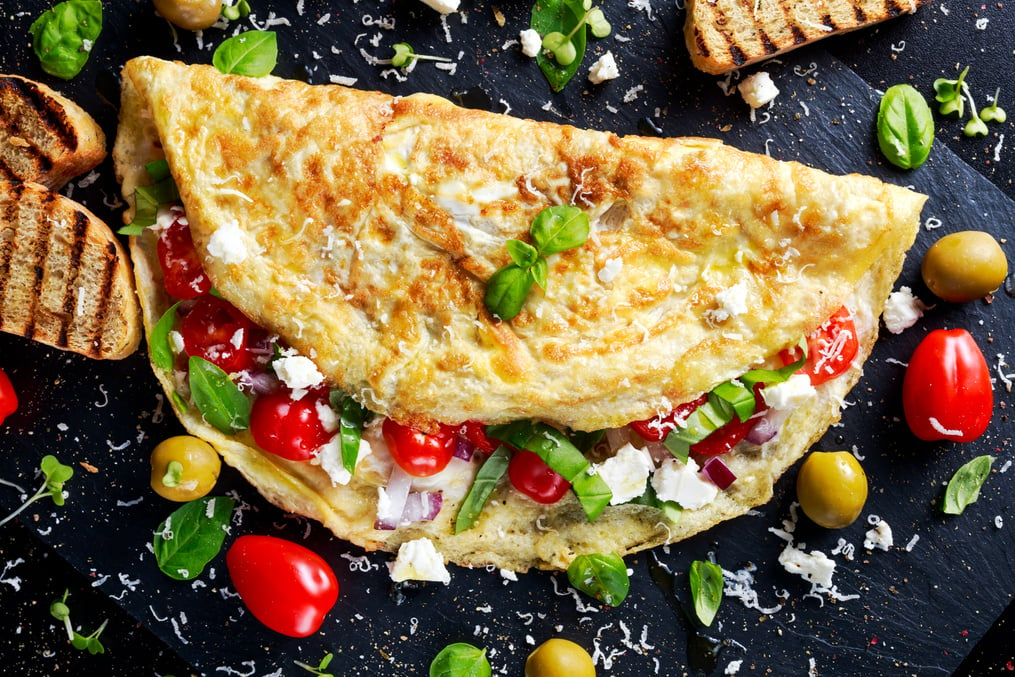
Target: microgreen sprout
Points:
(952, 95)
(562, 46)
(319, 670)
(949, 94)
(405, 55)
(61, 612)
(975, 126)
(55, 474)
(238, 11)
(993, 112)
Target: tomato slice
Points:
(182, 273)
(418, 453)
(657, 428)
(289, 428)
(946, 392)
(831, 348)
(475, 433)
(8, 398)
(530, 475)
(221, 334)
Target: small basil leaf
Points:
(158, 170)
(486, 480)
(738, 396)
(219, 400)
(964, 486)
(522, 253)
(506, 291)
(905, 127)
(158, 341)
(706, 583)
(192, 536)
(556, 229)
(593, 493)
(603, 577)
(253, 53)
(460, 660)
(63, 36)
(352, 416)
(539, 272)
(147, 200)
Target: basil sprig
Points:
(352, 417)
(63, 36)
(460, 660)
(564, 458)
(147, 199)
(555, 229)
(192, 536)
(905, 127)
(252, 53)
(601, 576)
(706, 583)
(486, 480)
(964, 486)
(219, 400)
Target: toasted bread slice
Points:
(726, 34)
(44, 136)
(65, 280)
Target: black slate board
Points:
(919, 610)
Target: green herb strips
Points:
(192, 536)
(63, 36)
(603, 577)
(905, 127)
(219, 400)
(706, 583)
(252, 53)
(486, 480)
(964, 486)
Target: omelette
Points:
(359, 231)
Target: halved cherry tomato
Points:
(8, 398)
(182, 273)
(289, 428)
(418, 453)
(286, 586)
(831, 348)
(946, 393)
(475, 432)
(656, 429)
(726, 437)
(530, 475)
(221, 334)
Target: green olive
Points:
(184, 468)
(831, 488)
(964, 266)
(193, 15)
(559, 658)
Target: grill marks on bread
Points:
(64, 279)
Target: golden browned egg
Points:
(192, 15)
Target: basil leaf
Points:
(603, 577)
(352, 416)
(706, 590)
(560, 16)
(486, 480)
(703, 421)
(905, 127)
(158, 170)
(556, 229)
(737, 396)
(539, 271)
(964, 486)
(593, 493)
(63, 36)
(506, 291)
(680, 449)
(158, 341)
(460, 660)
(147, 200)
(253, 53)
(191, 537)
(219, 400)
(671, 509)
(522, 253)
(585, 441)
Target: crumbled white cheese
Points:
(532, 43)
(682, 483)
(418, 560)
(605, 68)
(227, 243)
(176, 341)
(384, 506)
(608, 273)
(626, 473)
(789, 394)
(297, 372)
(758, 89)
(902, 310)
(443, 6)
(732, 301)
(879, 537)
(815, 567)
(329, 457)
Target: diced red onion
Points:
(464, 448)
(718, 472)
(767, 426)
(422, 506)
(397, 492)
(261, 382)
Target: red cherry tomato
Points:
(656, 429)
(530, 475)
(726, 437)
(831, 348)
(475, 432)
(182, 273)
(8, 398)
(286, 586)
(221, 334)
(946, 393)
(418, 453)
(289, 428)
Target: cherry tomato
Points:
(530, 475)
(831, 348)
(182, 273)
(726, 437)
(946, 393)
(418, 453)
(184, 468)
(8, 398)
(221, 334)
(289, 428)
(656, 429)
(284, 585)
(475, 432)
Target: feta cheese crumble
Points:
(815, 567)
(879, 537)
(297, 372)
(626, 473)
(418, 560)
(227, 243)
(443, 6)
(681, 482)
(789, 394)
(329, 457)
(605, 68)
(902, 310)
(758, 90)
(531, 42)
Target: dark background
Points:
(928, 611)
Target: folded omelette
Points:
(360, 229)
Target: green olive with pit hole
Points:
(559, 658)
(184, 468)
(831, 488)
(193, 15)
(964, 266)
